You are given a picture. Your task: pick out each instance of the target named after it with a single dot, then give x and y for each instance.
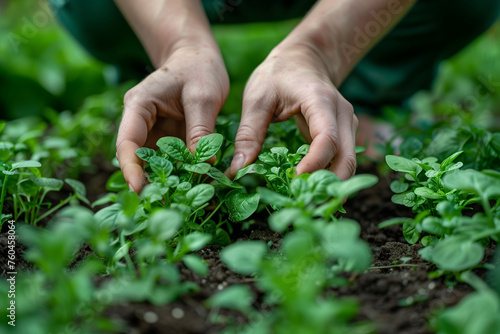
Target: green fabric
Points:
(403, 62)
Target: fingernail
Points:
(130, 187)
(238, 162)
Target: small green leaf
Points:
(173, 147)
(400, 164)
(145, 153)
(236, 297)
(121, 252)
(196, 241)
(48, 183)
(199, 168)
(107, 198)
(241, 205)
(161, 167)
(26, 163)
(354, 184)
(393, 221)
(164, 224)
(273, 198)
(487, 187)
(221, 178)
(116, 182)
(250, 169)
(410, 231)
(303, 150)
(399, 186)
(446, 162)
(457, 253)
(200, 194)
(244, 257)
(427, 193)
(208, 146)
(79, 188)
(196, 264)
(281, 219)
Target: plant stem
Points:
(62, 203)
(210, 215)
(4, 190)
(130, 264)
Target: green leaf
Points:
(303, 150)
(199, 168)
(121, 252)
(241, 205)
(393, 221)
(129, 201)
(173, 147)
(476, 313)
(222, 238)
(427, 193)
(49, 183)
(164, 224)
(487, 187)
(399, 186)
(221, 178)
(273, 198)
(145, 153)
(244, 257)
(196, 264)
(281, 219)
(79, 188)
(26, 163)
(236, 297)
(250, 169)
(200, 194)
(208, 146)
(196, 240)
(279, 150)
(410, 231)
(446, 162)
(107, 198)
(400, 164)
(409, 199)
(318, 183)
(107, 217)
(354, 184)
(457, 253)
(161, 167)
(116, 182)
(341, 241)
(433, 225)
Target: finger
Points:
(303, 128)
(201, 107)
(134, 127)
(344, 162)
(324, 133)
(256, 116)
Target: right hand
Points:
(181, 98)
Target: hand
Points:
(181, 98)
(294, 82)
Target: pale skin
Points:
(298, 78)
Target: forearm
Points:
(340, 32)
(163, 26)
